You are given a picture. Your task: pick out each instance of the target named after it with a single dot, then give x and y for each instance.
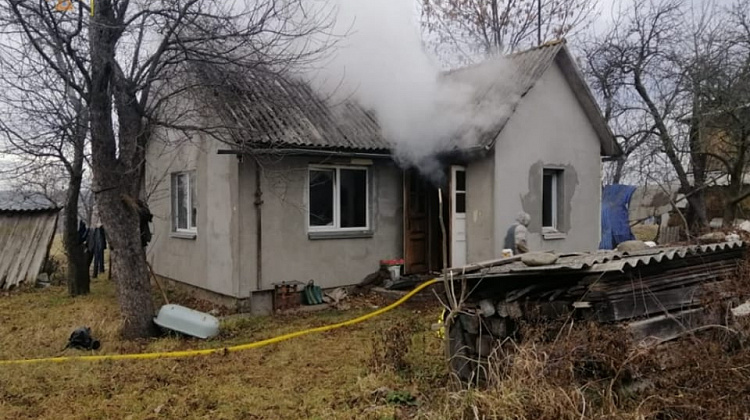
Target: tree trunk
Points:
(78, 270)
(78, 262)
(730, 213)
(619, 168)
(129, 267)
(115, 180)
(731, 204)
(734, 196)
(696, 216)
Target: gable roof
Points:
(517, 74)
(272, 111)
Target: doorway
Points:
(423, 234)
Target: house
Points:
(309, 189)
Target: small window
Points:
(184, 202)
(551, 198)
(460, 191)
(337, 198)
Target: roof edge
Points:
(609, 147)
(34, 210)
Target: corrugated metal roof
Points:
(269, 110)
(608, 261)
(23, 201)
(25, 236)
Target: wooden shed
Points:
(25, 239)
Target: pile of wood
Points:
(655, 299)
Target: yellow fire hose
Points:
(224, 350)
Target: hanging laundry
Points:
(97, 243)
(83, 232)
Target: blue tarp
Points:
(615, 224)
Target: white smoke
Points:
(382, 63)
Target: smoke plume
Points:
(381, 62)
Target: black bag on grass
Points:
(81, 339)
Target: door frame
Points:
(409, 257)
(457, 226)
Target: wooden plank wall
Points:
(24, 241)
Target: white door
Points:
(458, 216)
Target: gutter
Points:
(466, 154)
(305, 152)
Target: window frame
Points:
(457, 191)
(336, 226)
(192, 225)
(557, 174)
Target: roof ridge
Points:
(552, 43)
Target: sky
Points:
(606, 9)
(609, 8)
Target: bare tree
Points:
(470, 28)
(135, 58)
(45, 127)
(725, 105)
(632, 130)
(651, 71)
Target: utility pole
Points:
(539, 22)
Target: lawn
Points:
(342, 374)
(390, 367)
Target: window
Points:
(551, 198)
(184, 202)
(337, 198)
(460, 191)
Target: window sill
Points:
(354, 234)
(552, 234)
(183, 235)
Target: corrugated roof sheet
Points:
(25, 236)
(22, 201)
(271, 111)
(608, 261)
(266, 110)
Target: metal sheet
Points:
(268, 110)
(25, 237)
(667, 254)
(610, 261)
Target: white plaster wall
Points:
(549, 128)
(287, 252)
(209, 260)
